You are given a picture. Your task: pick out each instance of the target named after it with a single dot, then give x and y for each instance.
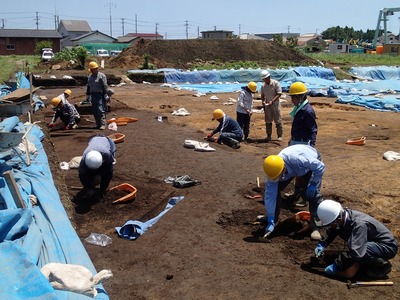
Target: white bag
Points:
(74, 278)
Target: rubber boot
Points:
(279, 131)
(269, 131)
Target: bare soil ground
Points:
(206, 247)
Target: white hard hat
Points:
(94, 159)
(328, 211)
(265, 74)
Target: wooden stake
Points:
(258, 182)
(12, 185)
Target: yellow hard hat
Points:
(297, 88)
(93, 65)
(252, 86)
(218, 114)
(273, 166)
(68, 92)
(55, 102)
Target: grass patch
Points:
(11, 64)
(356, 59)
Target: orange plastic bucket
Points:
(117, 137)
(127, 188)
(120, 120)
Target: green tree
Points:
(278, 38)
(291, 42)
(42, 44)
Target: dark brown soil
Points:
(208, 247)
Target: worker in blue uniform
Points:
(304, 131)
(369, 243)
(293, 161)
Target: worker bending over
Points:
(97, 163)
(293, 161)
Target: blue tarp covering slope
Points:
(36, 235)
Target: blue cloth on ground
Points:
(132, 229)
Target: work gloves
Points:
(67, 127)
(270, 227)
(331, 269)
(209, 135)
(311, 190)
(51, 125)
(320, 249)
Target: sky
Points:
(179, 19)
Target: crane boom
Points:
(383, 13)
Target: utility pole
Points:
(123, 26)
(198, 31)
(187, 29)
(156, 30)
(136, 23)
(288, 29)
(110, 5)
(240, 29)
(37, 20)
(2, 23)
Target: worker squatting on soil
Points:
(271, 91)
(245, 106)
(66, 112)
(370, 244)
(304, 131)
(229, 130)
(97, 163)
(96, 90)
(293, 161)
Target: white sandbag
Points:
(74, 278)
(391, 155)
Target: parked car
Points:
(47, 54)
(102, 53)
(115, 52)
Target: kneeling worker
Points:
(66, 112)
(370, 244)
(229, 130)
(97, 163)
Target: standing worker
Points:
(96, 90)
(245, 106)
(271, 91)
(66, 112)
(369, 243)
(304, 125)
(97, 163)
(293, 161)
(229, 130)
(304, 131)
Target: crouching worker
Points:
(97, 163)
(229, 130)
(370, 244)
(66, 112)
(294, 161)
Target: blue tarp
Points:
(36, 235)
(319, 81)
(376, 72)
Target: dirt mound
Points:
(185, 53)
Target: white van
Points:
(102, 53)
(47, 54)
